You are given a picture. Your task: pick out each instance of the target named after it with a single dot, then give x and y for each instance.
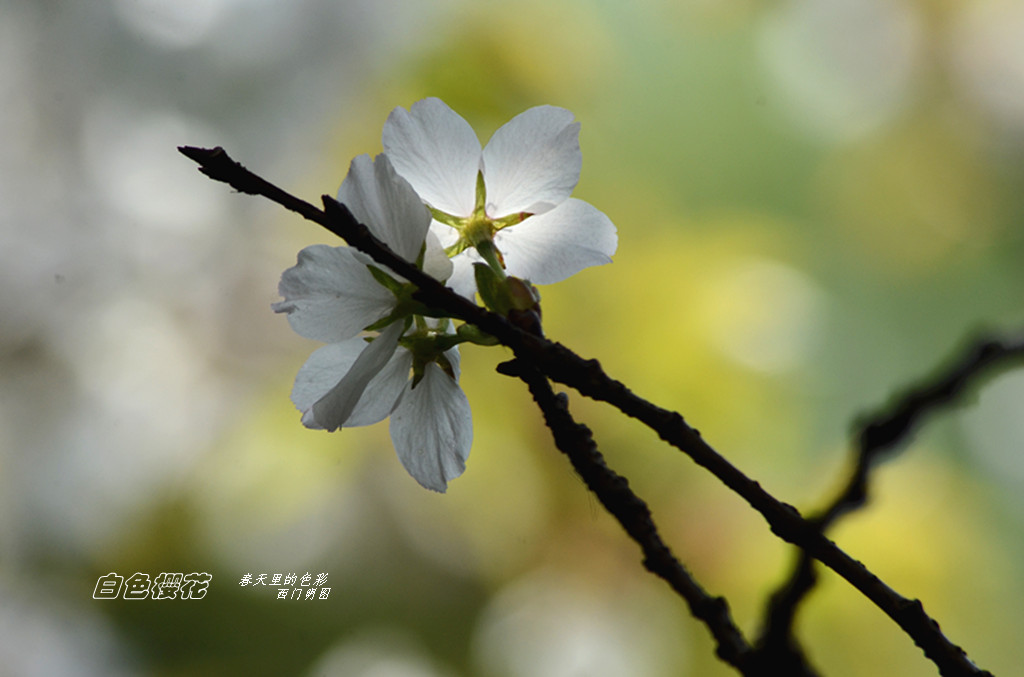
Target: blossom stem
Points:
(492, 256)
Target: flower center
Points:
(428, 344)
(478, 229)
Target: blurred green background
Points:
(816, 201)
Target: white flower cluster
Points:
(439, 200)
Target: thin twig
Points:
(577, 443)
(560, 364)
(881, 434)
(884, 431)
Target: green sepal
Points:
(480, 206)
(491, 289)
(510, 220)
(395, 315)
(421, 256)
(425, 349)
(470, 333)
(522, 294)
(385, 280)
(419, 368)
(505, 294)
(383, 322)
(418, 371)
(447, 219)
(446, 365)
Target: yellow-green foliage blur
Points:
(817, 203)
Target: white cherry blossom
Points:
(529, 168)
(431, 423)
(331, 295)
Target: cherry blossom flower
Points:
(512, 195)
(361, 384)
(404, 368)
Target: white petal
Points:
(454, 358)
(332, 410)
(329, 364)
(382, 393)
(385, 202)
(322, 371)
(432, 429)
(437, 152)
(552, 246)
(330, 295)
(446, 235)
(463, 279)
(435, 261)
(532, 163)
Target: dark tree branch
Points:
(878, 435)
(560, 364)
(884, 431)
(576, 442)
